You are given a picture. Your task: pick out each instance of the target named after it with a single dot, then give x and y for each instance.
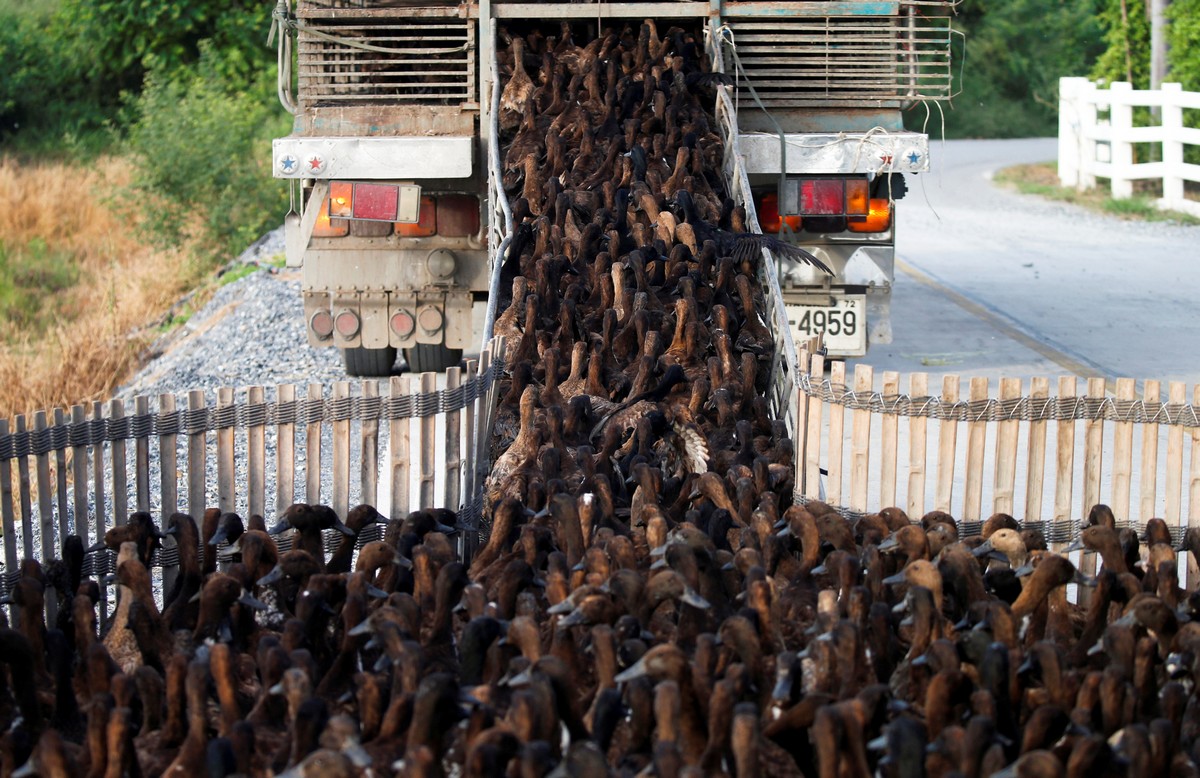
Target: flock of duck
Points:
(650, 600)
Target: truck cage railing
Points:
(84, 470)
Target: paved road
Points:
(991, 282)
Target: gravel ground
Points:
(250, 333)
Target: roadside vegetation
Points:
(1042, 180)
(132, 168)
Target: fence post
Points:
(1070, 130)
(1121, 120)
(1172, 145)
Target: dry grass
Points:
(85, 338)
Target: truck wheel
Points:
(369, 362)
(431, 357)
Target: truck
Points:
(399, 219)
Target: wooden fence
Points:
(1096, 137)
(399, 445)
(1012, 448)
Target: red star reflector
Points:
(378, 202)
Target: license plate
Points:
(844, 323)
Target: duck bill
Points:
(445, 529)
(635, 671)
(693, 599)
(520, 679)
(892, 580)
(983, 549)
(272, 577)
(376, 592)
(889, 544)
(363, 628)
(279, 528)
(25, 770)
(342, 528)
(250, 601)
(358, 755)
(783, 690)
(1076, 545)
(220, 536)
(570, 620)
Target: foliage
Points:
(1127, 40)
(43, 86)
(201, 155)
(32, 280)
(1015, 53)
(1183, 38)
(127, 38)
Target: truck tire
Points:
(369, 362)
(431, 357)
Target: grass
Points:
(79, 292)
(1042, 180)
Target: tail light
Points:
(768, 215)
(878, 219)
(327, 227)
(857, 197)
(413, 216)
(823, 197)
(426, 223)
(457, 216)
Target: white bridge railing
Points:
(1096, 135)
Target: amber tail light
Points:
(427, 222)
(878, 219)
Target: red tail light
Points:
(823, 196)
(768, 215)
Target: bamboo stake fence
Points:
(1007, 448)
(339, 429)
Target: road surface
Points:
(992, 282)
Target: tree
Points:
(1015, 53)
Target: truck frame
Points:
(399, 220)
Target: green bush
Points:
(202, 151)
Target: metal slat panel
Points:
(834, 60)
(418, 60)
